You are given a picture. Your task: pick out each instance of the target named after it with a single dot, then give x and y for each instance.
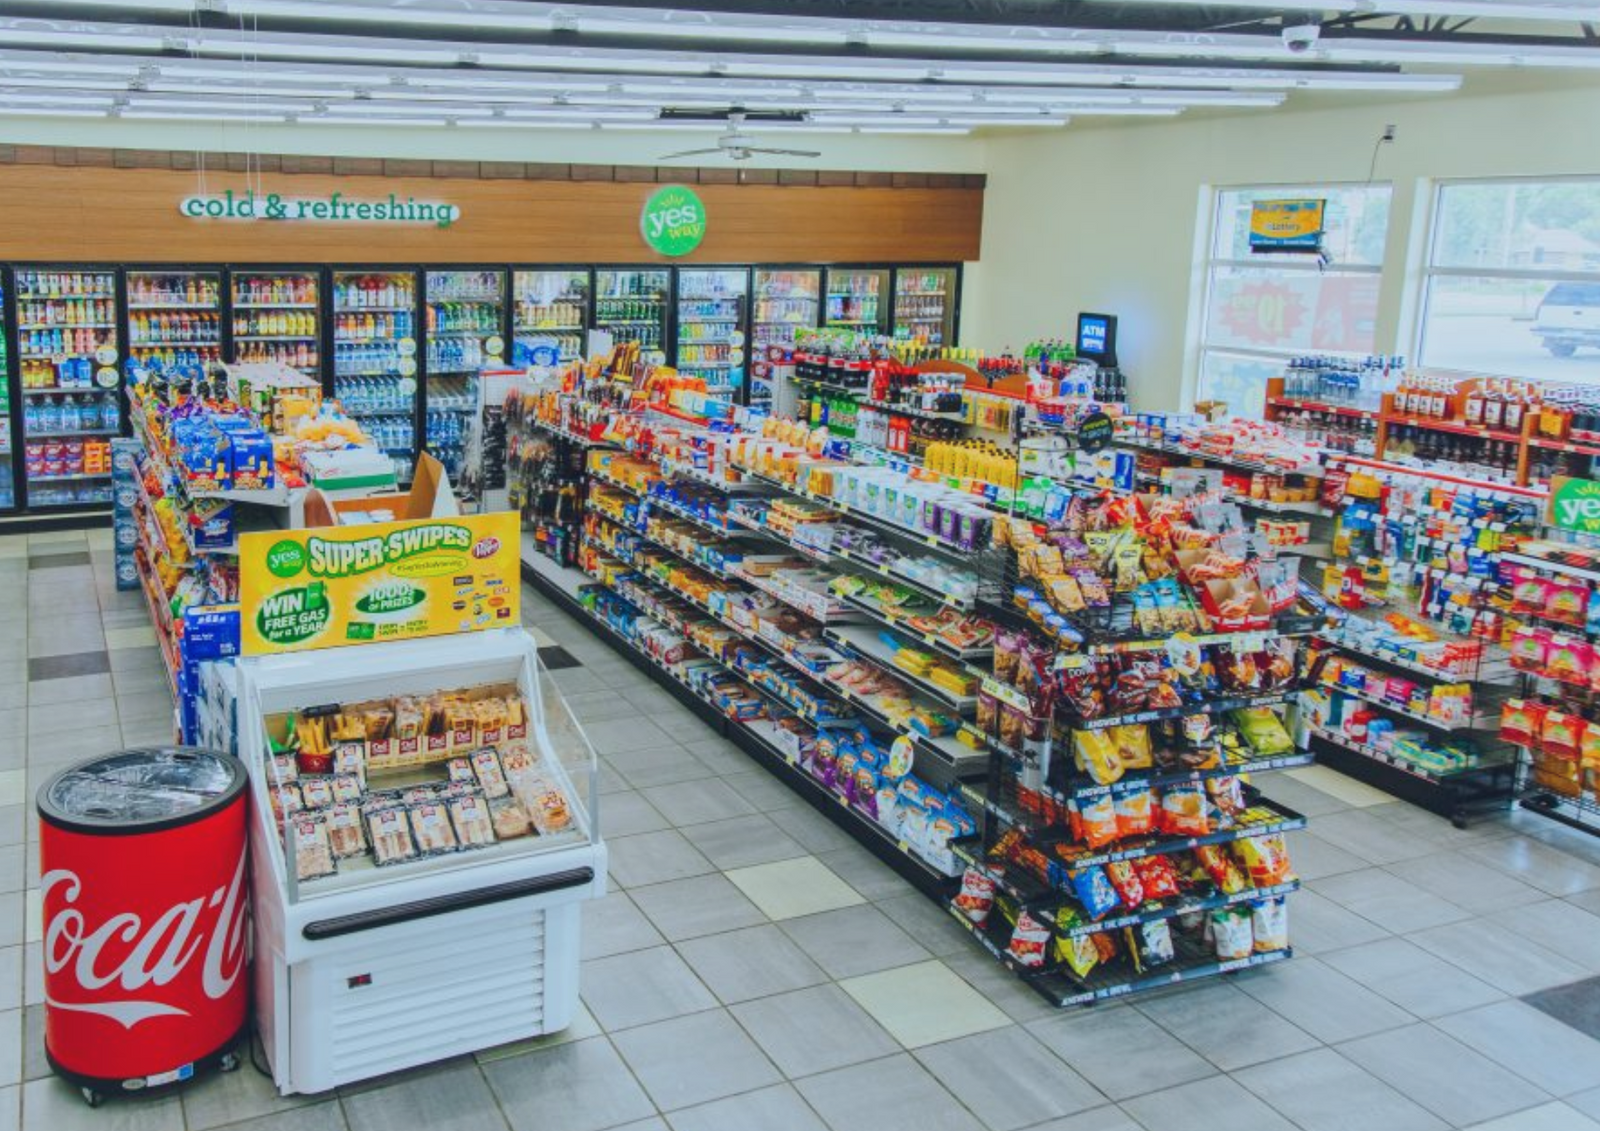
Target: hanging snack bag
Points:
(1183, 811)
(1269, 922)
(1079, 953)
(1096, 755)
(1097, 821)
(1155, 943)
(1094, 892)
(1231, 933)
(1157, 876)
(976, 898)
(1125, 879)
(1029, 940)
(1266, 858)
(1230, 880)
(1135, 811)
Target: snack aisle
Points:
(8, 473)
(375, 358)
(276, 318)
(944, 655)
(465, 324)
(786, 300)
(550, 308)
(68, 365)
(634, 305)
(924, 304)
(858, 298)
(174, 319)
(712, 319)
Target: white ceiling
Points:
(510, 64)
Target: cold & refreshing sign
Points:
(333, 586)
(1574, 505)
(335, 208)
(673, 221)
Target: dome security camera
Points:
(1302, 37)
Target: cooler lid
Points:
(141, 790)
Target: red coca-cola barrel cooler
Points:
(146, 916)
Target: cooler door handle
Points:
(446, 904)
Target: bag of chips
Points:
(1097, 756)
(1222, 870)
(1157, 877)
(1183, 811)
(1231, 933)
(1029, 940)
(1155, 940)
(1097, 821)
(1135, 811)
(1266, 858)
(1095, 892)
(1123, 877)
(976, 897)
(1079, 953)
(1269, 921)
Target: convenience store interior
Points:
(956, 187)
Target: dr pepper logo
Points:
(486, 548)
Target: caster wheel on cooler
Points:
(230, 1062)
(91, 1097)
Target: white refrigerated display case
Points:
(376, 968)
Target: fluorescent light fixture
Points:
(1567, 10)
(35, 112)
(55, 98)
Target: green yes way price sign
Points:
(673, 221)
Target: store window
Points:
(1513, 280)
(1263, 310)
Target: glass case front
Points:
(375, 358)
(925, 304)
(712, 307)
(856, 298)
(465, 320)
(275, 319)
(632, 305)
(551, 311)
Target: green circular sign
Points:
(286, 558)
(673, 221)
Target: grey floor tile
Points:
(34, 1064)
(865, 872)
(1413, 978)
(1538, 1047)
(1560, 926)
(1466, 882)
(699, 905)
(325, 1116)
(1322, 925)
(815, 832)
(998, 985)
(11, 963)
(1323, 1002)
(893, 1094)
(1482, 948)
(854, 940)
(927, 922)
(654, 858)
(581, 1086)
(1304, 798)
(763, 791)
(1315, 858)
(1121, 1051)
(458, 1099)
(627, 813)
(778, 1108)
(1206, 1105)
(695, 1059)
(755, 962)
(11, 1046)
(741, 842)
(1365, 835)
(722, 756)
(615, 925)
(1443, 1075)
(70, 689)
(1533, 862)
(1225, 1025)
(661, 765)
(1100, 1119)
(640, 987)
(814, 1030)
(13, 871)
(1384, 898)
(698, 802)
(613, 736)
(54, 1105)
(1008, 1079)
(232, 1097)
(1322, 1091)
(54, 718)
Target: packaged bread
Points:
(486, 765)
(389, 831)
(345, 835)
(313, 857)
(509, 818)
(430, 825)
(473, 824)
(408, 717)
(376, 722)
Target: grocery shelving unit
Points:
(549, 304)
(277, 316)
(374, 346)
(713, 316)
(635, 305)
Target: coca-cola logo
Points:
(123, 955)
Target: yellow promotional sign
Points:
(334, 586)
(1287, 225)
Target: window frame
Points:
(1210, 262)
(1429, 272)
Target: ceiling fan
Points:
(737, 146)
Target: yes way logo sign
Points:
(673, 221)
(1575, 505)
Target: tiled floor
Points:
(756, 970)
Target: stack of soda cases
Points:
(124, 523)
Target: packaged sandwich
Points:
(389, 831)
(313, 857)
(473, 824)
(509, 818)
(486, 765)
(345, 835)
(430, 825)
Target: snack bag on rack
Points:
(1157, 876)
(1266, 858)
(1269, 922)
(1231, 931)
(976, 898)
(1095, 892)
(1029, 940)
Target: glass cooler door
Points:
(71, 382)
(8, 486)
(551, 307)
(712, 312)
(785, 301)
(174, 322)
(856, 298)
(375, 358)
(466, 321)
(632, 305)
(275, 319)
(925, 304)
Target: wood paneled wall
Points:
(82, 213)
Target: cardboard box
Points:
(430, 497)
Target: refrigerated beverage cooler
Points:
(785, 301)
(69, 364)
(925, 304)
(713, 310)
(550, 313)
(466, 320)
(632, 305)
(174, 322)
(856, 298)
(375, 358)
(433, 908)
(275, 319)
(8, 486)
